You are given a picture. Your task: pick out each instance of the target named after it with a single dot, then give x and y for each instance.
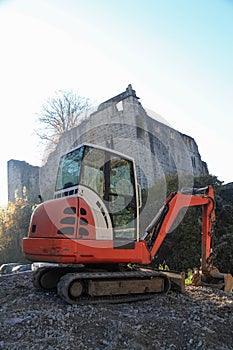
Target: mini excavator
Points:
(89, 233)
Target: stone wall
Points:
(121, 123)
(22, 176)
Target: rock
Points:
(201, 318)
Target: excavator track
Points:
(47, 278)
(111, 287)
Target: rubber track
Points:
(68, 278)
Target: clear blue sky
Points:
(177, 54)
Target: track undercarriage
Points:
(81, 285)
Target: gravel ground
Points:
(201, 318)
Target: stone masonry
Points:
(121, 123)
(22, 180)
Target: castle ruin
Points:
(22, 181)
(120, 123)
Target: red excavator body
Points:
(56, 236)
(94, 221)
(56, 226)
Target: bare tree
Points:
(59, 114)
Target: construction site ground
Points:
(200, 318)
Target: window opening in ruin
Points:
(140, 133)
(188, 142)
(193, 162)
(157, 128)
(119, 106)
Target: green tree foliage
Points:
(14, 222)
(222, 242)
(223, 239)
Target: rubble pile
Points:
(201, 318)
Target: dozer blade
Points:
(177, 279)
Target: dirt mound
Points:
(201, 318)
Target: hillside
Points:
(201, 318)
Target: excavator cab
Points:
(106, 181)
(94, 213)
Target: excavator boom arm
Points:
(162, 223)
